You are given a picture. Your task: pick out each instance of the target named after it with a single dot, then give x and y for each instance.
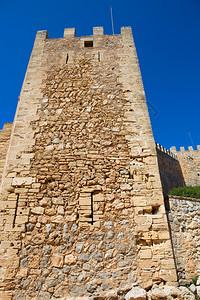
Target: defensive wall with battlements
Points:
(190, 164)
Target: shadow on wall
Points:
(170, 171)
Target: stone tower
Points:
(82, 209)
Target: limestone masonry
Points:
(83, 182)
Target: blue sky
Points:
(167, 37)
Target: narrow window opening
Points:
(16, 207)
(67, 58)
(88, 44)
(155, 210)
(99, 57)
(92, 209)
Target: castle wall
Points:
(81, 197)
(190, 164)
(5, 134)
(170, 170)
(184, 217)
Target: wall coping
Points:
(184, 198)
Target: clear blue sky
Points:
(167, 37)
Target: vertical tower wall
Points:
(81, 196)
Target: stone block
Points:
(22, 273)
(9, 273)
(21, 220)
(70, 259)
(37, 210)
(57, 261)
(69, 32)
(85, 201)
(136, 293)
(18, 181)
(158, 227)
(145, 254)
(164, 235)
(98, 197)
(97, 30)
(6, 295)
(139, 201)
(167, 264)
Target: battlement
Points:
(165, 150)
(71, 32)
(182, 149)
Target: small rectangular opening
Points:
(88, 44)
(67, 58)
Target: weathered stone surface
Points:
(136, 293)
(37, 210)
(70, 259)
(164, 292)
(185, 236)
(186, 293)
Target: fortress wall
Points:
(190, 164)
(86, 211)
(170, 170)
(4, 143)
(184, 218)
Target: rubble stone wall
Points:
(82, 202)
(5, 134)
(190, 164)
(184, 218)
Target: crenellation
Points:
(98, 31)
(165, 150)
(69, 32)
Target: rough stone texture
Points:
(137, 294)
(82, 170)
(184, 217)
(164, 292)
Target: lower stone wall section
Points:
(184, 219)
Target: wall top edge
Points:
(97, 31)
(182, 149)
(165, 150)
(184, 198)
